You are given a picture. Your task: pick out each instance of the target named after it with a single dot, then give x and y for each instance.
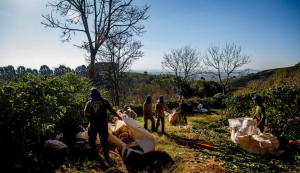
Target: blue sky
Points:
(267, 30)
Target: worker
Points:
(200, 107)
(260, 115)
(95, 111)
(183, 110)
(160, 113)
(147, 113)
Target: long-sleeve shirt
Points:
(260, 114)
(147, 110)
(160, 108)
(183, 108)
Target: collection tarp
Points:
(141, 137)
(56, 144)
(244, 132)
(175, 118)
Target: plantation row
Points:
(282, 109)
(34, 109)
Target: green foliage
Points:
(282, 109)
(243, 80)
(218, 95)
(33, 109)
(208, 103)
(138, 109)
(204, 88)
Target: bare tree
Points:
(184, 63)
(98, 19)
(224, 61)
(119, 52)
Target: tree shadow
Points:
(156, 161)
(76, 157)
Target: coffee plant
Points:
(34, 109)
(282, 109)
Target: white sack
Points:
(176, 118)
(204, 110)
(140, 135)
(130, 114)
(82, 136)
(244, 132)
(58, 145)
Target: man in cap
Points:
(260, 115)
(147, 111)
(95, 110)
(160, 113)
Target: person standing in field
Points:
(183, 110)
(160, 114)
(147, 111)
(260, 115)
(95, 111)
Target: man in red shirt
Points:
(147, 111)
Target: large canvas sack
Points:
(258, 144)
(175, 118)
(130, 114)
(56, 144)
(141, 136)
(250, 138)
(242, 126)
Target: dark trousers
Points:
(162, 119)
(146, 123)
(103, 136)
(262, 127)
(184, 117)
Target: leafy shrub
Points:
(138, 109)
(204, 88)
(34, 108)
(282, 109)
(209, 103)
(218, 95)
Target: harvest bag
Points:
(244, 132)
(141, 136)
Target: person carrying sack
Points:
(95, 111)
(147, 113)
(260, 115)
(160, 114)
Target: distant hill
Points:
(239, 82)
(205, 75)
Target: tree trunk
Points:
(180, 91)
(117, 95)
(224, 89)
(92, 67)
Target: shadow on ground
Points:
(156, 161)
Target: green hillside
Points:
(238, 82)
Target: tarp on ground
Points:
(141, 136)
(244, 132)
(176, 119)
